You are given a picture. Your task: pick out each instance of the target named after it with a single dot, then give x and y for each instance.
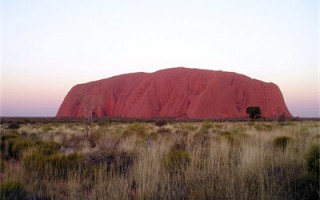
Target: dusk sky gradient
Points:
(49, 46)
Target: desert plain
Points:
(159, 159)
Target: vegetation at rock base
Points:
(145, 160)
(160, 122)
(254, 112)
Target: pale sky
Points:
(48, 46)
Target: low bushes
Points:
(51, 166)
(48, 148)
(78, 141)
(6, 146)
(263, 126)
(160, 122)
(281, 142)
(176, 161)
(14, 126)
(309, 183)
(228, 136)
(12, 190)
(136, 128)
(19, 146)
(112, 161)
(313, 160)
(13, 146)
(9, 136)
(201, 139)
(205, 127)
(2, 166)
(61, 166)
(164, 131)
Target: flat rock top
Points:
(175, 92)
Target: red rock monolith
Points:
(176, 92)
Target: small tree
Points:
(254, 112)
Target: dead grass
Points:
(225, 160)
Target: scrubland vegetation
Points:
(174, 160)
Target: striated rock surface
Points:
(175, 92)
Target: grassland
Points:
(176, 160)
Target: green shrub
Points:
(136, 128)
(6, 148)
(63, 164)
(70, 125)
(313, 160)
(281, 142)
(204, 131)
(93, 138)
(14, 126)
(160, 122)
(237, 129)
(206, 125)
(190, 127)
(201, 139)
(315, 139)
(263, 126)
(9, 136)
(112, 161)
(176, 161)
(123, 162)
(74, 141)
(234, 139)
(305, 187)
(48, 148)
(34, 137)
(179, 145)
(227, 135)
(47, 128)
(2, 166)
(152, 136)
(20, 145)
(6, 144)
(218, 126)
(51, 166)
(254, 112)
(164, 130)
(12, 190)
(12, 146)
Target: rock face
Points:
(175, 92)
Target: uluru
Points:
(174, 93)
